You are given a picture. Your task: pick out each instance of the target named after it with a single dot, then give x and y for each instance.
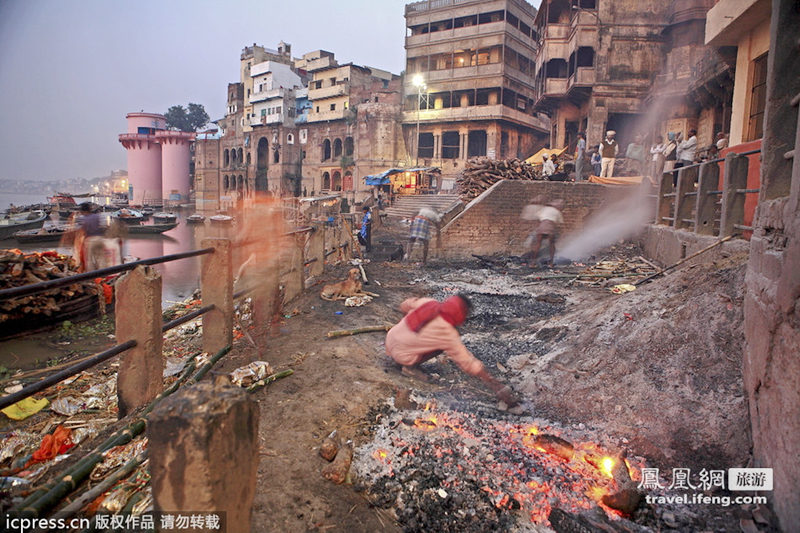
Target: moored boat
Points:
(162, 216)
(196, 218)
(128, 216)
(42, 235)
(21, 221)
(151, 229)
(222, 220)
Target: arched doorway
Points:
(326, 181)
(262, 163)
(337, 181)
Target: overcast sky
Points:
(70, 70)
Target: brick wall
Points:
(491, 223)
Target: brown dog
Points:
(345, 289)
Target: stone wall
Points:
(771, 366)
(491, 223)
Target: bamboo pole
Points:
(704, 250)
(50, 494)
(266, 381)
(365, 329)
(90, 495)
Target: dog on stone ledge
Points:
(345, 289)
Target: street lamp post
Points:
(419, 83)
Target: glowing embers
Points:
(433, 466)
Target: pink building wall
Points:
(175, 164)
(144, 155)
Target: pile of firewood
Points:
(18, 268)
(480, 173)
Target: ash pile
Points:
(446, 470)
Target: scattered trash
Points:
(247, 375)
(25, 408)
(67, 406)
(337, 313)
(357, 301)
(56, 443)
(623, 288)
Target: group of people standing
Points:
(675, 153)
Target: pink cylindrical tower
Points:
(175, 165)
(144, 157)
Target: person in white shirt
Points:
(688, 149)
(550, 219)
(548, 168)
(657, 158)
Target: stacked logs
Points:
(480, 173)
(18, 268)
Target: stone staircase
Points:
(407, 206)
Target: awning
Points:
(383, 177)
(536, 159)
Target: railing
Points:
(305, 250)
(695, 203)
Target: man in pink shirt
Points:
(428, 329)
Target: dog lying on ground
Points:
(345, 289)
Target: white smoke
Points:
(623, 219)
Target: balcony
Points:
(483, 112)
(555, 86)
(326, 115)
(552, 50)
(276, 118)
(329, 92)
(583, 77)
(467, 32)
(437, 79)
(267, 95)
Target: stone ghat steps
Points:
(408, 206)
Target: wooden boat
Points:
(151, 229)
(21, 221)
(161, 216)
(222, 220)
(128, 216)
(197, 218)
(42, 235)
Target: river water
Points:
(179, 278)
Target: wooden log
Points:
(364, 329)
(337, 470)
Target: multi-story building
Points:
(469, 85)
(352, 125)
(595, 66)
(284, 138)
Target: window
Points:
(333, 107)
(758, 99)
(425, 145)
(476, 143)
(450, 144)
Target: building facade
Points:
(299, 127)
(469, 84)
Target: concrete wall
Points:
(491, 223)
(667, 246)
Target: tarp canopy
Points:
(383, 177)
(620, 180)
(536, 159)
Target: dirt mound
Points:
(660, 366)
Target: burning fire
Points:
(522, 467)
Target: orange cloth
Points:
(55, 444)
(408, 348)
